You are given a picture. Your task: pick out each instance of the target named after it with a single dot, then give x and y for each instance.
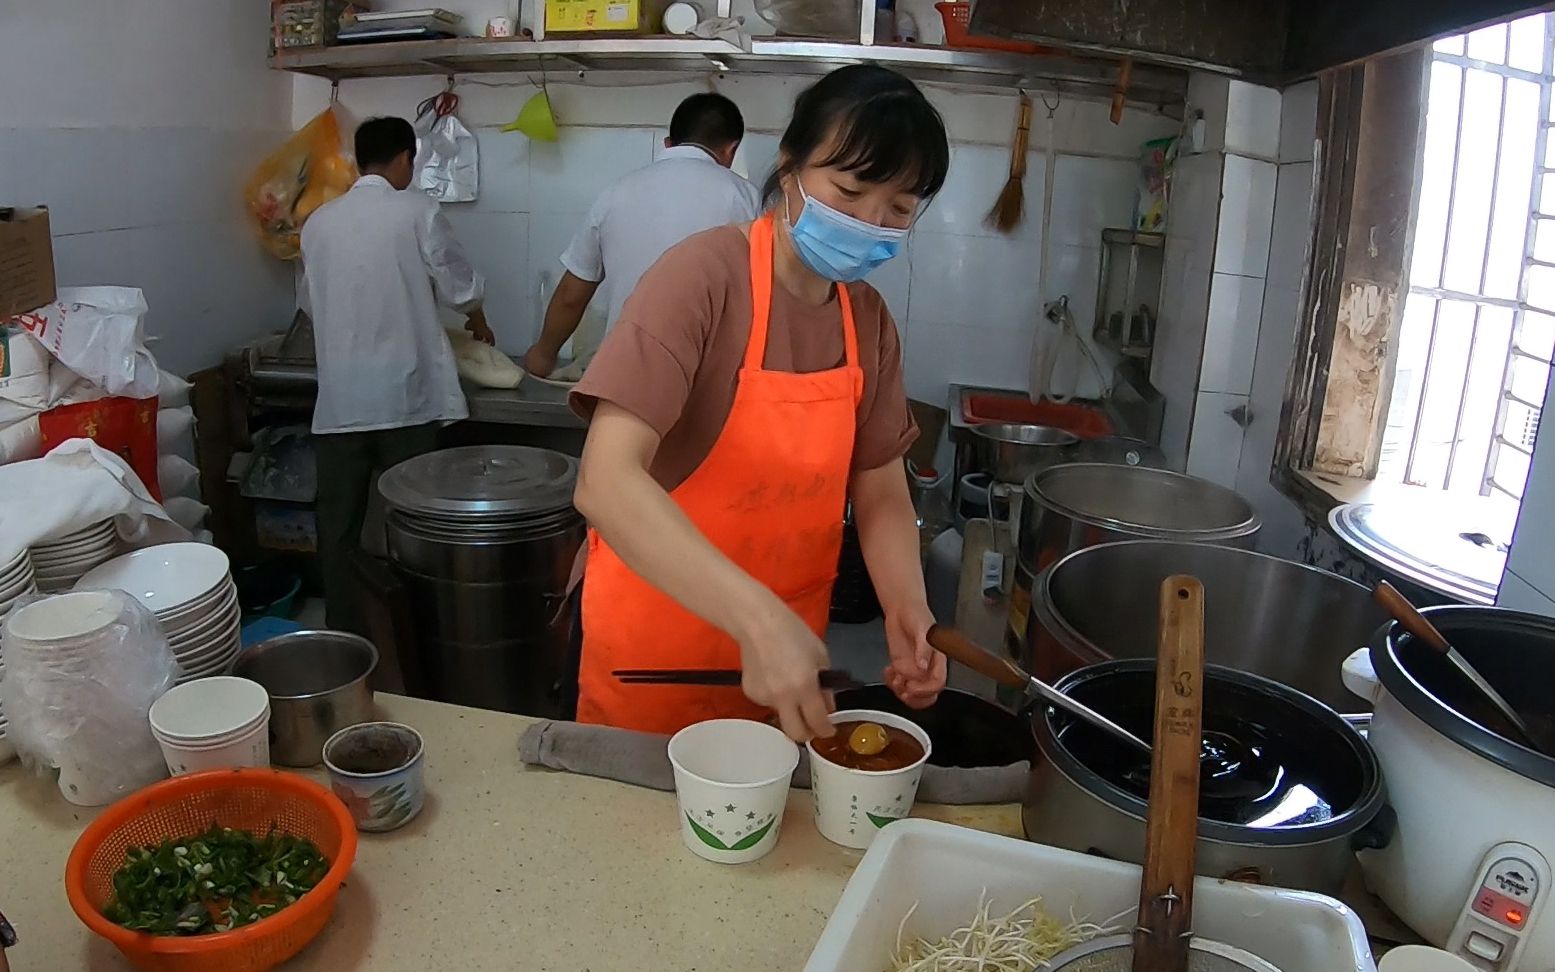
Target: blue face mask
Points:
(837, 246)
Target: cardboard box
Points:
(603, 16)
(26, 260)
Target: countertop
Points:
(508, 867)
(533, 402)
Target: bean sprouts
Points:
(1021, 941)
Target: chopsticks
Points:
(832, 679)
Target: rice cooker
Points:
(1468, 866)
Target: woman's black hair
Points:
(885, 131)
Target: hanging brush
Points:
(1011, 204)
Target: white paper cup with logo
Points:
(852, 805)
(731, 781)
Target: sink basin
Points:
(1085, 421)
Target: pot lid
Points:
(1513, 651)
(482, 482)
(1450, 544)
(1141, 501)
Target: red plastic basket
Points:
(247, 799)
(958, 15)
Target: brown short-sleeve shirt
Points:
(673, 357)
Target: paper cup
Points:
(852, 805)
(213, 723)
(731, 780)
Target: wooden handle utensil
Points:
(1172, 821)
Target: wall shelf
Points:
(1153, 87)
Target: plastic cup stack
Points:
(213, 723)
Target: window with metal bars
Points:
(1478, 328)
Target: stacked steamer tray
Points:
(16, 582)
(60, 563)
(188, 586)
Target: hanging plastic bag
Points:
(447, 157)
(307, 171)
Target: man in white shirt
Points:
(688, 189)
(378, 261)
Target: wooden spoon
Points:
(1172, 821)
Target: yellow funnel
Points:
(535, 119)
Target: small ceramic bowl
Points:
(377, 769)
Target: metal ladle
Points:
(959, 648)
(1412, 621)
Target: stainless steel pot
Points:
(1078, 505)
(1012, 451)
(1073, 802)
(317, 682)
(1282, 620)
(484, 539)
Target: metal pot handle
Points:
(1378, 833)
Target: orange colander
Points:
(243, 799)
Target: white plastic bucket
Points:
(213, 723)
(731, 780)
(852, 805)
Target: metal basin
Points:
(1012, 451)
(317, 682)
(1284, 621)
(1078, 505)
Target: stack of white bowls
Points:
(59, 563)
(16, 582)
(188, 586)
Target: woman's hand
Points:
(917, 672)
(782, 659)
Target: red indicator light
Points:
(1514, 917)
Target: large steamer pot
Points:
(1012, 451)
(1465, 796)
(1073, 801)
(484, 539)
(1284, 621)
(1078, 505)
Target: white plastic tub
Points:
(943, 868)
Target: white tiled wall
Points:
(1236, 249)
(139, 141)
(966, 298)
(1284, 525)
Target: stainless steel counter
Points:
(531, 403)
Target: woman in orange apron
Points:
(750, 389)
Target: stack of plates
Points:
(60, 563)
(188, 586)
(16, 581)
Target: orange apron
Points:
(770, 495)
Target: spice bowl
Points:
(378, 770)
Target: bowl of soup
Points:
(866, 774)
